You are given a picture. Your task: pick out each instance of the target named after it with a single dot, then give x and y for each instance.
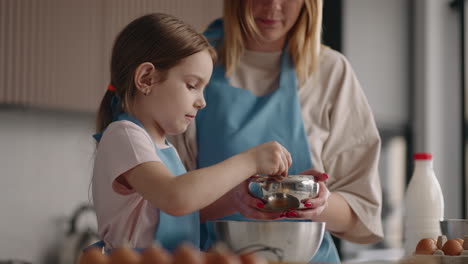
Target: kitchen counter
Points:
(420, 259)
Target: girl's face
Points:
(274, 19)
(173, 103)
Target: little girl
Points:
(141, 190)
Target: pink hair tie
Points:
(110, 87)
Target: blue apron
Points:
(235, 120)
(171, 230)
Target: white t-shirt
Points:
(124, 217)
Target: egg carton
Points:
(439, 256)
(435, 259)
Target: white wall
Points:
(376, 41)
(46, 165)
(438, 95)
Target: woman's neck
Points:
(265, 46)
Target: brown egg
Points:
(452, 248)
(124, 255)
(214, 257)
(252, 259)
(154, 255)
(187, 254)
(209, 257)
(94, 256)
(228, 258)
(459, 241)
(220, 254)
(426, 246)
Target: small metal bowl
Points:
(284, 193)
(454, 228)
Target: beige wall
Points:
(55, 53)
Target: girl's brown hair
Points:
(304, 40)
(161, 39)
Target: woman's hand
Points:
(237, 200)
(240, 200)
(316, 205)
(248, 205)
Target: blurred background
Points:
(409, 56)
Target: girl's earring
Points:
(147, 92)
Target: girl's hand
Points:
(317, 204)
(271, 158)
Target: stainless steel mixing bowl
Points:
(281, 194)
(274, 240)
(454, 228)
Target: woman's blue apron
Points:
(235, 120)
(171, 230)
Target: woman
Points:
(275, 81)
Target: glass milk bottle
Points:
(424, 203)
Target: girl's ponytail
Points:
(104, 114)
(109, 108)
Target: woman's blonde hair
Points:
(304, 40)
